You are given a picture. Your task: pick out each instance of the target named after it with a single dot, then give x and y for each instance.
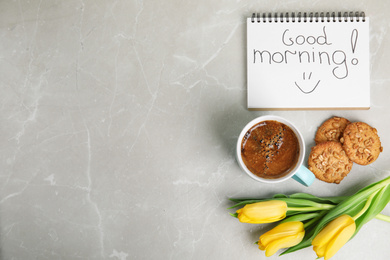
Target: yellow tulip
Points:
(263, 212)
(285, 235)
(334, 236)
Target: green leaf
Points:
(348, 207)
(244, 199)
(238, 200)
(378, 203)
(299, 202)
(351, 206)
(300, 217)
(327, 200)
(235, 200)
(386, 181)
(280, 196)
(291, 202)
(244, 202)
(304, 196)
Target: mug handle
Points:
(304, 176)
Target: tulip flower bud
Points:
(334, 236)
(282, 236)
(263, 212)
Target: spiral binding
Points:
(309, 17)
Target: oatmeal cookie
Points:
(361, 143)
(329, 162)
(331, 130)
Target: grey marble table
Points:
(118, 124)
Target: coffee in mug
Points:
(270, 149)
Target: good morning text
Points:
(306, 49)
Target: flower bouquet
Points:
(305, 220)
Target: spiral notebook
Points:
(308, 61)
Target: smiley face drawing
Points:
(308, 85)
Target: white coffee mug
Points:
(299, 173)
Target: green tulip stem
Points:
(366, 206)
(383, 217)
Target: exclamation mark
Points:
(354, 38)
